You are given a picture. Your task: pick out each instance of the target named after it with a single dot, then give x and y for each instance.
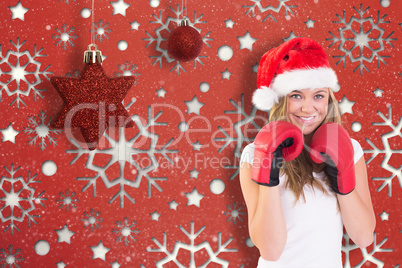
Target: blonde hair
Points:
(300, 170)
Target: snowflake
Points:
(125, 229)
(234, 213)
(123, 153)
(127, 69)
(172, 256)
(67, 200)
(9, 257)
(101, 30)
(386, 138)
(367, 256)
(238, 138)
(18, 198)
(75, 73)
(92, 219)
(159, 38)
(21, 72)
(64, 35)
(373, 39)
(39, 126)
(269, 8)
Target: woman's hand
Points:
(276, 141)
(331, 144)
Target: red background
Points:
(223, 95)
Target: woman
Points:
(303, 178)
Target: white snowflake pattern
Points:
(67, 200)
(19, 198)
(269, 8)
(64, 36)
(11, 257)
(75, 73)
(367, 256)
(39, 126)
(127, 69)
(193, 249)
(101, 30)
(22, 78)
(122, 153)
(362, 39)
(92, 219)
(396, 172)
(238, 137)
(125, 231)
(165, 27)
(235, 213)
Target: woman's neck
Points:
(317, 168)
(307, 138)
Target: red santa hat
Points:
(300, 63)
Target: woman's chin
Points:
(307, 132)
(308, 129)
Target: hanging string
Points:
(93, 23)
(182, 6)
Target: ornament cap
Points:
(185, 22)
(92, 56)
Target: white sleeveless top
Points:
(314, 226)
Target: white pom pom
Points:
(264, 98)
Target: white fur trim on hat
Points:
(299, 79)
(264, 98)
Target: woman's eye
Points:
(296, 96)
(319, 96)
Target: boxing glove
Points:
(275, 142)
(331, 144)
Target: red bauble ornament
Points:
(92, 102)
(184, 43)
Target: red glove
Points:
(275, 142)
(331, 144)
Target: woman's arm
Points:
(357, 210)
(266, 222)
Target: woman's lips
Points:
(307, 119)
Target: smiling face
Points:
(307, 108)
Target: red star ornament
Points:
(92, 102)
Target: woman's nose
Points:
(307, 106)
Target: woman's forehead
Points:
(311, 91)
